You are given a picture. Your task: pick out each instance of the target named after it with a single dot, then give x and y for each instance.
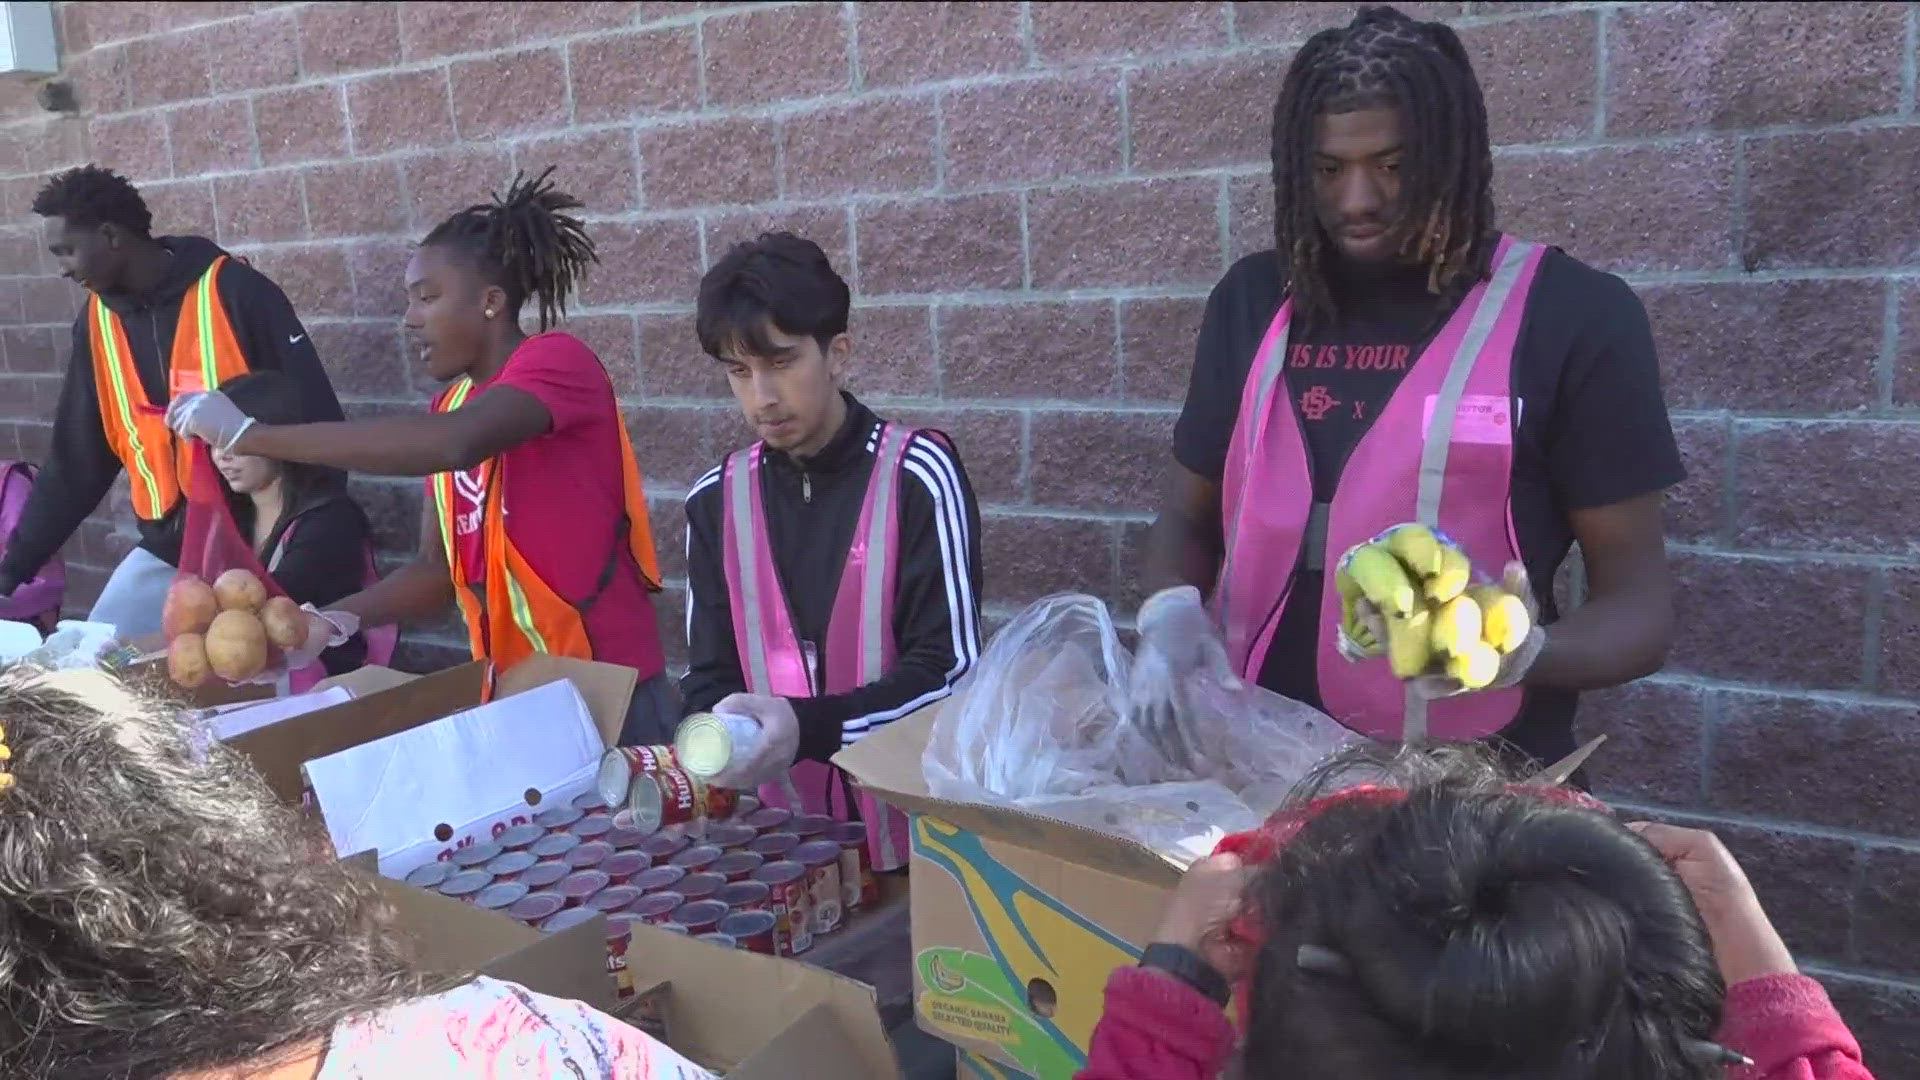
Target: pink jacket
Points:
(1156, 1028)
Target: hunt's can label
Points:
(621, 764)
(791, 905)
(822, 860)
(669, 797)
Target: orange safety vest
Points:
(520, 614)
(205, 355)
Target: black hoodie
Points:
(81, 467)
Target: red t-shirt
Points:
(565, 498)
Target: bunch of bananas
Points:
(1438, 622)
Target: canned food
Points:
(621, 764)
(473, 855)
(542, 874)
(592, 827)
(858, 886)
(619, 940)
(774, 846)
(623, 838)
(752, 929)
(789, 901)
(500, 894)
(466, 884)
(431, 875)
(747, 805)
(700, 886)
(558, 817)
(554, 845)
(706, 742)
(700, 916)
(654, 908)
(614, 898)
(747, 896)
(773, 819)
(810, 826)
(580, 885)
(822, 860)
(697, 858)
(730, 835)
(535, 907)
(592, 853)
(509, 865)
(519, 837)
(568, 918)
(657, 878)
(672, 928)
(589, 801)
(719, 939)
(737, 865)
(662, 849)
(622, 866)
(659, 800)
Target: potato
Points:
(286, 624)
(239, 590)
(237, 645)
(190, 608)
(187, 660)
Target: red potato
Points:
(190, 608)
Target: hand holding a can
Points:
(767, 756)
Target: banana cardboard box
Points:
(1017, 919)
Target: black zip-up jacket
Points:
(82, 467)
(812, 509)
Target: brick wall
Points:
(1032, 200)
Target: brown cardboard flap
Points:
(278, 750)
(811, 1048)
(887, 764)
(606, 688)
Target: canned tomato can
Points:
(579, 885)
(695, 859)
(535, 908)
(623, 838)
(730, 835)
(810, 826)
(858, 884)
(592, 853)
(737, 865)
(716, 938)
(509, 865)
(789, 902)
(519, 837)
(655, 908)
(568, 918)
(700, 916)
(554, 845)
(706, 742)
(556, 818)
(700, 886)
(658, 878)
(589, 801)
(623, 866)
(619, 940)
(621, 764)
(747, 896)
(544, 874)
(747, 805)
(466, 884)
(614, 898)
(660, 848)
(672, 928)
(822, 860)
(660, 800)
(592, 827)
(466, 858)
(430, 875)
(774, 846)
(772, 819)
(752, 929)
(500, 895)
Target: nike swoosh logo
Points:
(295, 339)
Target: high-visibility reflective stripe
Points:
(873, 583)
(203, 297)
(523, 615)
(740, 479)
(443, 482)
(123, 406)
(1271, 366)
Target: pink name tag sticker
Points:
(1484, 419)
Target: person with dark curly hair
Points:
(1440, 922)
(1394, 359)
(164, 316)
(535, 522)
(209, 933)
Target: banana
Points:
(1358, 632)
(1474, 667)
(1382, 579)
(1503, 617)
(1452, 577)
(1456, 626)
(1415, 545)
(1410, 643)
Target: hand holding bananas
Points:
(1178, 643)
(1409, 595)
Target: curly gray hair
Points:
(161, 914)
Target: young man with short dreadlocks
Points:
(1398, 359)
(534, 521)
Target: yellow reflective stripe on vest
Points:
(523, 613)
(443, 482)
(203, 309)
(124, 407)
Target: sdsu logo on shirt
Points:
(470, 499)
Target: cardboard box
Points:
(1017, 919)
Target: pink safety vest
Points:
(860, 646)
(1440, 452)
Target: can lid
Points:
(429, 875)
(805, 825)
(582, 883)
(623, 838)
(779, 873)
(614, 897)
(700, 912)
(745, 924)
(700, 886)
(624, 863)
(657, 878)
(848, 833)
(737, 862)
(774, 844)
(501, 894)
(466, 883)
(817, 853)
(554, 845)
(592, 826)
(558, 817)
(536, 906)
(645, 804)
(695, 858)
(706, 742)
(476, 854)
(620, 925)
(740, 893)
(542, 874)
(657, 903)
(591, 853)
(661, 846)
(511, 862)
(769, 818)
(730, 834)
(671, 928)
(569, 918)
(725, 941)
(611, 779)
(589, 801)
(520, 836)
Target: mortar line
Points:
(1889, 345)
(1126, 122)
(1601, 83)
(700, 59)
(1710, 817)
(1909, 66)
(1119, 353)
(1729, 484)
(1223, 211)
(940, 142)
(850, 16)
(1026, 35)
(1884, 982)
(1026, 248)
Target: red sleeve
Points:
(1786, 1024)
(1157, 1028)
(564, 375)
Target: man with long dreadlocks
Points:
(534, 521)
(1398, 359)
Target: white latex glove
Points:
(1178, 645)
(771, 755)
(211, 417)
(1514, 665)
(325, 630)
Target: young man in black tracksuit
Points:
(775, 313)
